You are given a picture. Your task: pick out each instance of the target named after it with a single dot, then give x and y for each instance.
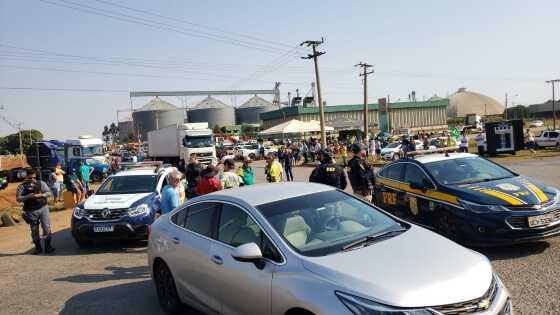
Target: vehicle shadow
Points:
(513, 251)
(117, 273)
(130, 298)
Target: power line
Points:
(60, 89)
(157, 25)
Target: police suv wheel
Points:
(166, 290)
(445, 226)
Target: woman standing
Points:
(59, 183)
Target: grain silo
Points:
(214, 112)
(156, 114)
(249, 112)
(463, 102)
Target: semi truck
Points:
(85, 147)
(175, 144)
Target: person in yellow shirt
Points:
(273, 169)
(344, 153)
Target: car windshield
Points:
(323, 223)
(466, 171)
(128, 185)
(198, 142)
(393, 145)
(92, 151)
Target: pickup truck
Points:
(548, 138)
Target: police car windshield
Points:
(324, 223)
(128, 185)
(466, 171)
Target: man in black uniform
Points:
(328, 172)
(193, 176)
(34, 193)
(360, 174)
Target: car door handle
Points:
(217, 259)
(176, 240)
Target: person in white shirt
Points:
(464, 142)
(481, 143)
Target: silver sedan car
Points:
(302, 248)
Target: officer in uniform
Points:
(360, 174)
(34, 193)
(328, 172)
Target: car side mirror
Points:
(249, 252)
(417, 185)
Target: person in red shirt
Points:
(208, 182)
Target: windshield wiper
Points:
(371, 238)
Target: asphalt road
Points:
(113, 278)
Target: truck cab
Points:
(85, 147)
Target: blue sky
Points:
(491, 47)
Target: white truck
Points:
(85, 147)
(175, 144)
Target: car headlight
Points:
(361, 306)
(556, 192)
(79, 212)
(139, 210)
(475, 207)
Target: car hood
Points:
(113, 201)
(516, 191)
(417, 268)
(389, 150)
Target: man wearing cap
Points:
(328, 172)
(360, 174)
(246, 173)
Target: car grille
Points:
(97, 214)
(473, 306)
(203, 154)
(543, 205)
(521, 222)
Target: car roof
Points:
(139, 171)
(428, 158)
(265, 193)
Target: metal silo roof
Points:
(256, 101)
(210, 102)
(157, 104)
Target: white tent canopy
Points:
(295, 126)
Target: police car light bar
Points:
(144, 164)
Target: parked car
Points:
(469, 199)
(247, 150)
(123, 207)
(393, 150)
(303, 248)
(536, 124)
(548, 138)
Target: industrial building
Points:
(463, 102)
(213, 111)
(425, 115)
(126, 129)
(249, 112)
(156, 114)
(544, 110)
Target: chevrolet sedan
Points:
(302, 248)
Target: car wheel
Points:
(252, 156)
(445, 226)
(396, 157)
(166, 290)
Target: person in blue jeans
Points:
(169, 193)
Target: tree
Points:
(105, 134)
(11, 142)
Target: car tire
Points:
(445, 226)
(83, 243)
(252, 156)
(166, 290)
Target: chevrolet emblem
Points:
(484, 304)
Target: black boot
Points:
(48, 247)
(38, 249)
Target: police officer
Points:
(328, 172)
(360, 174)
(34, 194)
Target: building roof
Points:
(435, 98)
(294, 111)
(256, 101)
(463, 102)
(544, 107)
(157, 104)
(210, 102)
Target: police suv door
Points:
(388, 188)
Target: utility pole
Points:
(365, 67)
(553, 82)
(313, 44)
(505, 111)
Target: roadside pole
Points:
(313, 44)
(365, 67)
(553, 82)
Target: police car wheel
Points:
(445, 226)
(166, 290)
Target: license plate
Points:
(541, 220)
(103, 228)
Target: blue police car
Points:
(469, 199)
(123, 207)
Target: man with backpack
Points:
(360, 174)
